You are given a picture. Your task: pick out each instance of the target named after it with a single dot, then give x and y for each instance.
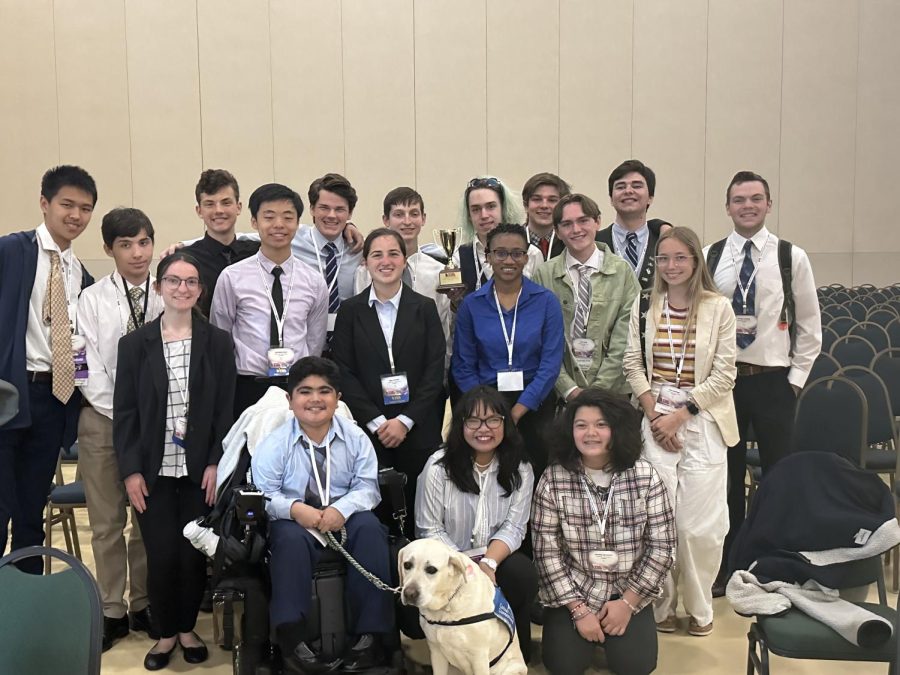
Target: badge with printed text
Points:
(79, 356)
(180, 431)
(280, 361)
(670, 399)
(583, 352)
(510, 380)
(604, 561)
(745, 324)
(395, 388)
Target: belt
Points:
(747, 369)
(42, 378)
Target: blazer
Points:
(419, 349)
(714, 359)
(613, 290)
(139, 400)
(646, 266)
(18, 266)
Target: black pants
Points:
(176, 571)
(27, 464)
(518, 580)
(767, 401)
(535, 428)
(409, 461)
(248, 390)
(567, 653)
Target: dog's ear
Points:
(401, 572)
(459, 561)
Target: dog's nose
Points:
(410, 595)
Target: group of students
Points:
(553, 313)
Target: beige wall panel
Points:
(307, 91)
(818, 123)
(670, 104)
(164, 95)
(28, 119)
(379, 101)
(877, 139)
(880, 269)
(94, 126)
(832, 268)
(451, 117)
(743, 103)
(236, 92)
(522, 89)
(595, 92)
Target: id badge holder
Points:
(477, 553)
(395, 388)
(280, 361)
(604, 560)
(670, 399)
(79, 356)
(510, 380)
(332, 317)
(180, 431)
(745, 324)
(583, 352)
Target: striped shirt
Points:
(178, 365)
(664, 366)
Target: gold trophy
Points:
(451, 276)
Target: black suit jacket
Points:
(647, 266)
(139, 401)
(419, 349)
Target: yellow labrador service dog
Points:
(456, 603)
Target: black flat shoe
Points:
(195, 654)
(113, 629)
(158, 660)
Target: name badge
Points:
(79, 356)
(510, 380)
(745, 324)
(477, 553)
(395, 388)
(670, 399)
(583, 351)
(331, 319)
(179, 432)
(604, 561)
(280, 361)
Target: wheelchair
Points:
(241, 589)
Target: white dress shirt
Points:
(37, 333)
(103, 314)
(772, 344)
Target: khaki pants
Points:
(107, 505)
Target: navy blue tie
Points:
(312, 496)
(631, 252)
(744, 340)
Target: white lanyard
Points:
(279, 320)
(737, 270)
(596, 511)
(324, 495)
(679, 364)
(173, 375)
(480, 529)
(340, 259)
(412, 270)
(510, 339)
(550, 247)
(388, 334)
(478, 267)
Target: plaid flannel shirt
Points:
(641, 529)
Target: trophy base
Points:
(450, 279)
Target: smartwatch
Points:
(692, 407)
(490, 562)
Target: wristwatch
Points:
(490, 562)
(692, 407)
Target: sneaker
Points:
(668, 625)
(699, 631)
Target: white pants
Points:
(696, 479)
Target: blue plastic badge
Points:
(503, 611)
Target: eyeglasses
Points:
(172, 283)
(502, 254)
(489, 182)
(679, 260)
(492, 422)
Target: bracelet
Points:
(653, 419)
(576, 607)
(633, 609)
(576, 619)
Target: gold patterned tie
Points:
(56, 313)
(136, 293)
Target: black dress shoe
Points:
(143, 622)
(158, 660)
(197, 654)
(304, 660)
(113, 629)
(364, 655)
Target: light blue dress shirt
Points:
(309, 240)
(619, 233)
(282, 469)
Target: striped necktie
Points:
(334, 300)
(582, 302)
(312, 496)
(56, 313)
(744, 340)
(631, 251)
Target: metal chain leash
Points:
(367, 575)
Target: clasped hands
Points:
(612, 619)
(324, 520)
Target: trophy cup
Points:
(451, 276)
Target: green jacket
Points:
(614, 289)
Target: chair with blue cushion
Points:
(857, 309)
(852, 350)
(874, 333)
(49, 623)
(62, 501)
(9, 401)
(881, 315)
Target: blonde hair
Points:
(510, 205)
(701, 282)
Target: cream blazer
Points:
(714, 359)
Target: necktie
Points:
(582, 302)
(56, 313)
(136, 293)
(544, 245)
(312, 496)
(228, 254)
(737, 300)
(278, 300)
(631, 251)
(334, 300)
